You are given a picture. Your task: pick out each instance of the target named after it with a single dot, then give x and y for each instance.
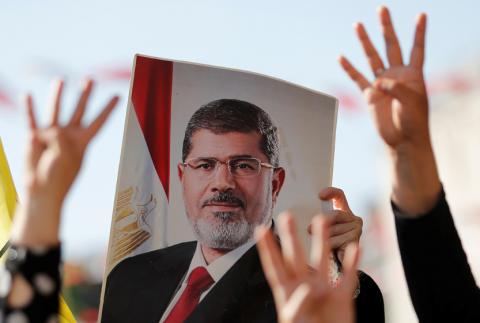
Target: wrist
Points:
(36, 223)
(42, 200)
(416, 183)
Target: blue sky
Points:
(294, 40)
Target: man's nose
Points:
(223, 180)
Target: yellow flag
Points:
(65, 315)
(8, 200)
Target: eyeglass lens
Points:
(237, 166)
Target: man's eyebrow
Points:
(229, 157)
(240, 156)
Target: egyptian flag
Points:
(143, 181)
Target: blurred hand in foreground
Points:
(53, 160)
(303, 294)
(398, 100)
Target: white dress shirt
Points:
(216, 269)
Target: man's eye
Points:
(204, 166)
(244, 166)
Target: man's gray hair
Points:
(229, 115)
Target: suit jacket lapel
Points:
(231, 290)
(162, 281)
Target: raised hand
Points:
(397, 97)
(304, 293)
(398, 100)
(54, 158)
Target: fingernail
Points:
(421, 16)
(88, 82)
(115, 99)
(321, 195)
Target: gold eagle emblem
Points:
(131, 227)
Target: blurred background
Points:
(298, 41)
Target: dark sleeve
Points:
(438, 275)
(369, 306)
(40, 270)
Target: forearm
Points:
(415, 181)
(37, 222)
(35, 253)
(439, 277)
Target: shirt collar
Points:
(221, 265)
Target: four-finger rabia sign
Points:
(208, 154)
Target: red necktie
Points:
(198, 282)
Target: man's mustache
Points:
(225, 197)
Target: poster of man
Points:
(209, 154)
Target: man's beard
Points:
(228, 232)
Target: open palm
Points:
(397, 97)
(55, 153)
(303, 293)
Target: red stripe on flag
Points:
(152, 97)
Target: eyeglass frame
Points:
(227, 163)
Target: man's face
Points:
(224, 209)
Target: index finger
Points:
(418, 50)
(354, 74)
(337, 196)
(270, 257)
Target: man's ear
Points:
(277, 182)
(180, 171)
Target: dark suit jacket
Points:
(140, 288)
(439, 278)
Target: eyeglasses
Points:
(238, 167)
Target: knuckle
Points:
(336, 189)
(392, 84)
(336, 214)
(359, 220)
